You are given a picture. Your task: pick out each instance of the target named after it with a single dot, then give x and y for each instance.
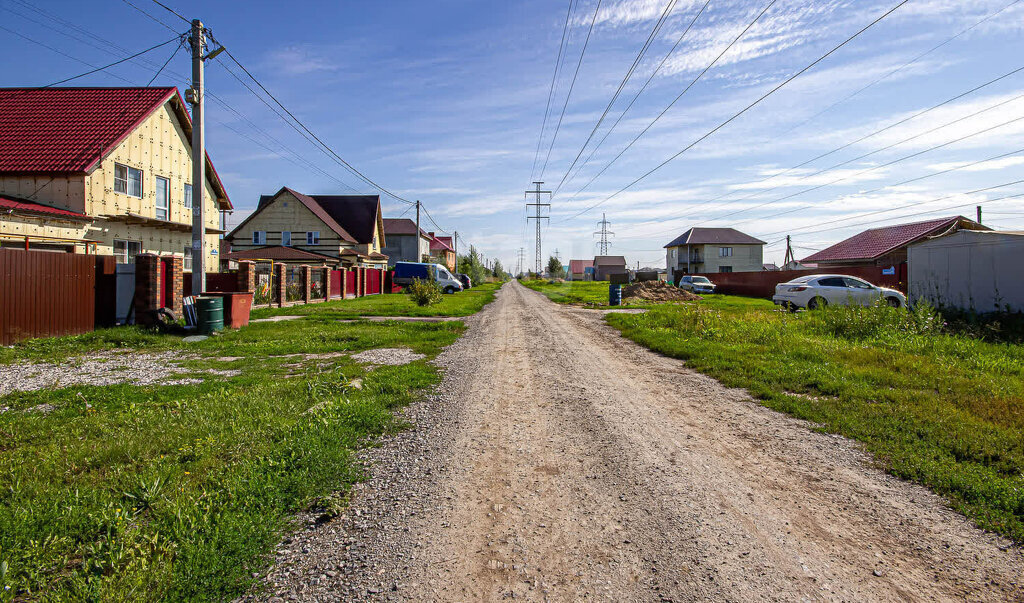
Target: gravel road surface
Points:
(562, 462)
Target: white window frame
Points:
(126, 180)
(725, 252)
(259, 237)
(126, 255)
(186, 196)
(286, 238)
(159, 182)
(312, 237)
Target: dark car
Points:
(465, 280)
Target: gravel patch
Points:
(387, 356)
(276, 319)
(103, 368)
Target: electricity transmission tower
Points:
(538, 217)
(603, 244)
(520, 256)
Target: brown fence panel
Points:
(762, 284)
(44, 294)
(216, 282)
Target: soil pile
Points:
(656, 291)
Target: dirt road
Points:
(563, 462)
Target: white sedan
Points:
(818, 290)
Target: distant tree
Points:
(555, 269)
(497, 270)
(472, 265)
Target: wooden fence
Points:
(762, 284)
(45, 294)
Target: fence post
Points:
(307, 283)
(247, 276)
(281, 275)
(326, 280)
(175, 273)
(362, 281)
(147, 287)
(344, 281)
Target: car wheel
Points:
(893, 302)
(816, 302)
(792, 307)
(449, 290)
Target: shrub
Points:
(424, 293)
(879, 321)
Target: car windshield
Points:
(701, 279)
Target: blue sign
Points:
(889, 270)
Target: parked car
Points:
(697, 284)
(465, 280)
(407, 272)
(818, 290)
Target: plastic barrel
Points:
(614, 295)
(210, 314)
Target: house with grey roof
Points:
(706, 250)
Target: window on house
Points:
(312, 237)
(163, 197)
(725, 252)
(186, 263)
(187, 197)
(125, 251)
(127, 180)
(725, 268)
(286, 239)
(259, 237)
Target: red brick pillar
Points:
(147, 287)
(307, 283)
(344, 282)
(327, 282)
(247, 276)
(280, 274)
(175, 275)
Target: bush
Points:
(424, 293)
(880, 321)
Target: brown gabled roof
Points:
(714, 236)
(69, 130)
(352, 217)
(610, 260)
(402, 226)
(441, 244)
(279, 252)
(876, 242)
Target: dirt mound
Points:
(656, 291)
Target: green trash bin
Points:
(209, 314)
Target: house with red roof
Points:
(102, 170)
(887, 245)
(442, 251)
(293, 227)
(578, 270)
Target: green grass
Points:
(463, 303)
(180, 492)
(590, 293)
(938, 408)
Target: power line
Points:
(650, 78)
(172, 11)
(572, 85)
(671, 104)
(551, 91)
(148, 14)
(744, 110)
(629, 73)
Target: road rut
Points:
(580, 466)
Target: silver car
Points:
(696, 284)
(818, 290)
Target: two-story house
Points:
(348, 229)
(403, 242)
(102, 170)
(706, 250)
(442, 251)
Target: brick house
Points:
(707, 250)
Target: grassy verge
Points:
(463, 303)
(938, 408)
(590, 293)
(179, 492)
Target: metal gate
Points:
(125, 287)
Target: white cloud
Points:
(299, 60)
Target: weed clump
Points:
(880, 321)
(425, 293)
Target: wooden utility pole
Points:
(420, 255)
(789, 254)
(195, 95)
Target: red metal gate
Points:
(350, 282)
(44, 294)
(336, 283)
(373, 281)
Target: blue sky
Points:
(443, 101)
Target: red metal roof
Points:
(877, 242)
(68, 130)
(578, 266)
(441, 244)
(17, 204)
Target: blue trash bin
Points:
(614, 295)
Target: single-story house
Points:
(975, 270)
(284, 255)
(606, 265)
(578, 270)
(887, 245)
(348, 228)
(402, 243)
(442, 252)
(707, 250)
(105, 171)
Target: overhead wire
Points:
(551, 90)
(572, 85)
(745, 109)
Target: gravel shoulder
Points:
(559, 461)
